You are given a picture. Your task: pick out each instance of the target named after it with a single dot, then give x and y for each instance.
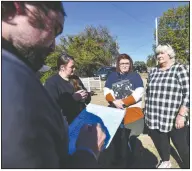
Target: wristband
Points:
(86, 149)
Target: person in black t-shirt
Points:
(67, 89)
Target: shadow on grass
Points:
(143, 157)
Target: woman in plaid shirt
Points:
(166, 106)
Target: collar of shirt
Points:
(9, 47)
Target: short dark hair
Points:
(124, 56)
(63, 59)
(8, 6)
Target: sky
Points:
(133, 23)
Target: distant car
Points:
(103, 72)
(140, 69)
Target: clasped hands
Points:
(118, 104)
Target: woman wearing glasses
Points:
(124, 90)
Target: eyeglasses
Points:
(121, 64)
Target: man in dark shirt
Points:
(34, 132)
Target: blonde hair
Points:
(166, 49)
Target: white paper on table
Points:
(109, 118)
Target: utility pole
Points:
(156, 27)
(156, 32)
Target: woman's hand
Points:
(91, 137)
(118, 104)
(180, 121)
(80, 95)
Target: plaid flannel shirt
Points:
(166, 92)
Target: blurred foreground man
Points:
(34, 133)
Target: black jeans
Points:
(119, 144)
(117, 153)
(188, 135)
(121, 150)
(161, 141)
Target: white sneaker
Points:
(164, 164)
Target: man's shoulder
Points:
(14, 63)
(17, 76)
(31, 118)
(21, 87)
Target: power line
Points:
(139, 48)
(136, 19)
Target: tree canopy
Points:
(140, 66)
(139, 63)
(151, 61)
(91, 49)
(173, 29)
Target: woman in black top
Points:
(63, 89)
